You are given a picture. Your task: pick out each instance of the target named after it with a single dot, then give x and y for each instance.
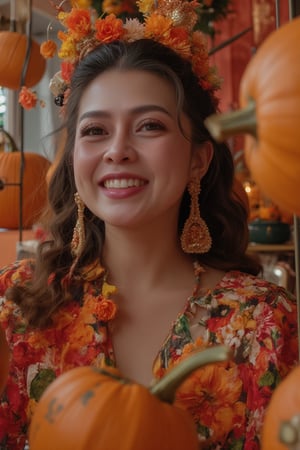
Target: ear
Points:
(201, 159)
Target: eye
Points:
(92, 130)
(151, 125)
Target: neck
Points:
(148, 255)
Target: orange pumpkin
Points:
(281, 427)
(88, 408)
(4, 360)
(34, 187)
(13, 47)
(270, 117)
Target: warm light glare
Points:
(247, 187)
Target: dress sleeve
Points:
(14, 402)
(272, 354)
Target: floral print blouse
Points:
(256, 319)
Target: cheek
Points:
(179, 156)
(84, 162)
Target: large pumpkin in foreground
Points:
(91, 409)
(281, 428)
(270, 117)
(13, 48)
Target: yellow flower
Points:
(108, 289)
(145, 6)
(68, 50)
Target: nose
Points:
(119, 148)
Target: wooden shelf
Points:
(271, 248)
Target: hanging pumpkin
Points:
(13, 48)
(34, 187)
(88, 408)
(270, 117)
(281, 427)
(4, 360)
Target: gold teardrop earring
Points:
(78, 239)
(195, 237)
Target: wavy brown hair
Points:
(226, 217)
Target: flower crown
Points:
(169, 22)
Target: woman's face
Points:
(131, 160)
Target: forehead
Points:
(127, 89)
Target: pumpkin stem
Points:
(166, 387)
(223, 126)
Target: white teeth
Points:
(123, 183)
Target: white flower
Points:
(134, 30)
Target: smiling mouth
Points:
(123, 183)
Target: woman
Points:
(142, 269)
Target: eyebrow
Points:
(137, 110)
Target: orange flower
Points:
(27, 98)
(178, 40)
(157, 27)
(217, 390)
(79, 23)
(109, 29)
(48, 49)
(105, 309)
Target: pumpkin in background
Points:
(91, 409)
(281, 427)
(4, 360)
(13, 47)
(34, 186)
(270, 117)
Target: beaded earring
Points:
(195, 237)
(78, 239)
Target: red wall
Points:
(232, 60)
